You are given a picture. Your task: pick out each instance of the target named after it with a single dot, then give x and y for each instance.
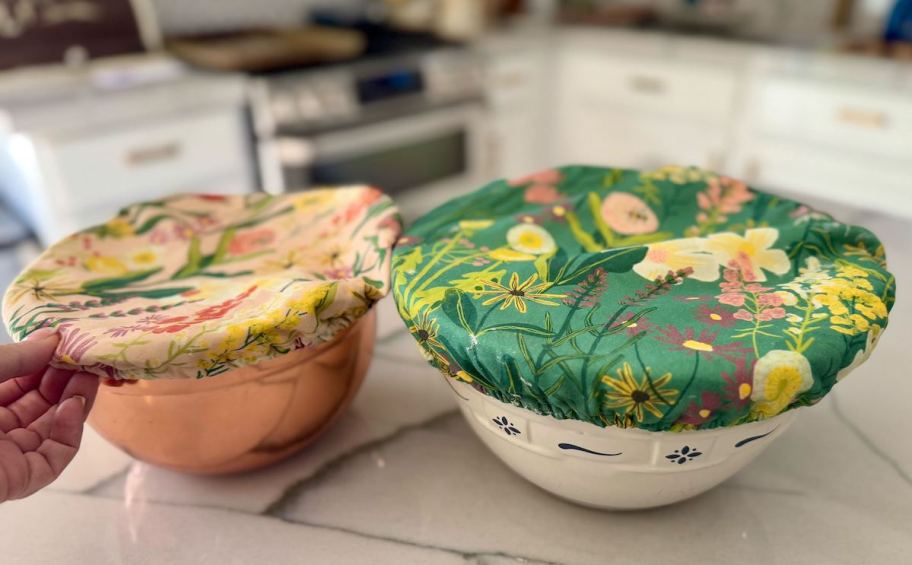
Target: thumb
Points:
(28, 357)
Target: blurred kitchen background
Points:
(106, 102)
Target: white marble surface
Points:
(401, 479)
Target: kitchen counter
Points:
(402, 479)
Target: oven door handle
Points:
(392, 133)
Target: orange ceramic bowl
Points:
(244, 419)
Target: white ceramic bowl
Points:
(611, 467)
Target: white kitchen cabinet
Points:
(78, 170)
(149, 160)
(837, 135)
(643, 108)
(516, 91)
(865, 181)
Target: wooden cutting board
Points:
(264, 50)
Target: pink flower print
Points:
(732, 299)
(731, 286)
(725, 195)
(541, 194)
(251, 241)
(769, 299)
(699, 413)
(743, 314)
(628, 214)
(159, 236)
(338, 273)
(715, 315)
(74, 343)
(771, 314)
(755, 288)
(549, 176)
(632, 328)
(739, 384)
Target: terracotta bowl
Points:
(244, 419)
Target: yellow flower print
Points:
(517, 293)
(779, 376)
(146, 257)
(313, 200)
(305, 301)
(289, 260)
(532, 239)
(637, 397)
(508, 255)
(119, 227)
(863, 354)
(425, 330)
(41, 284)
(751, 253)
(678, 174)
(235, 336)
(472, 282)
(678, 254)
(105, 265)
(475, 225)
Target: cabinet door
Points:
(516, 92)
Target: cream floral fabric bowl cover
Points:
(668, 300)
(193, 286)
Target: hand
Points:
(42, 412)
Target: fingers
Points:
(66, 428)
(22, 412)
(84, 385)
(28, 357)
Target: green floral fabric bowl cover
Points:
(670, 300)
(194, 286)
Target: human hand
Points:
(42, 413)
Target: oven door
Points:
(421, 160)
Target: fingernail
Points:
(78, 399)
(43, 333)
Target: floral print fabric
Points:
(193, 286)
(675, 299)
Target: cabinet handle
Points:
(647, 84)
(872, 119)
(142, 156)
(510, 80)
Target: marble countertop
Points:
(402, 479)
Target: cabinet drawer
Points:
(149, 160)
(635, 140)
(662, 87)
(841, 117)
(838, 175)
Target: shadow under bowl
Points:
(614, 468)
(247, 418)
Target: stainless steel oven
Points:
(412, 126)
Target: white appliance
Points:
(74, 149)
(413, 125)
